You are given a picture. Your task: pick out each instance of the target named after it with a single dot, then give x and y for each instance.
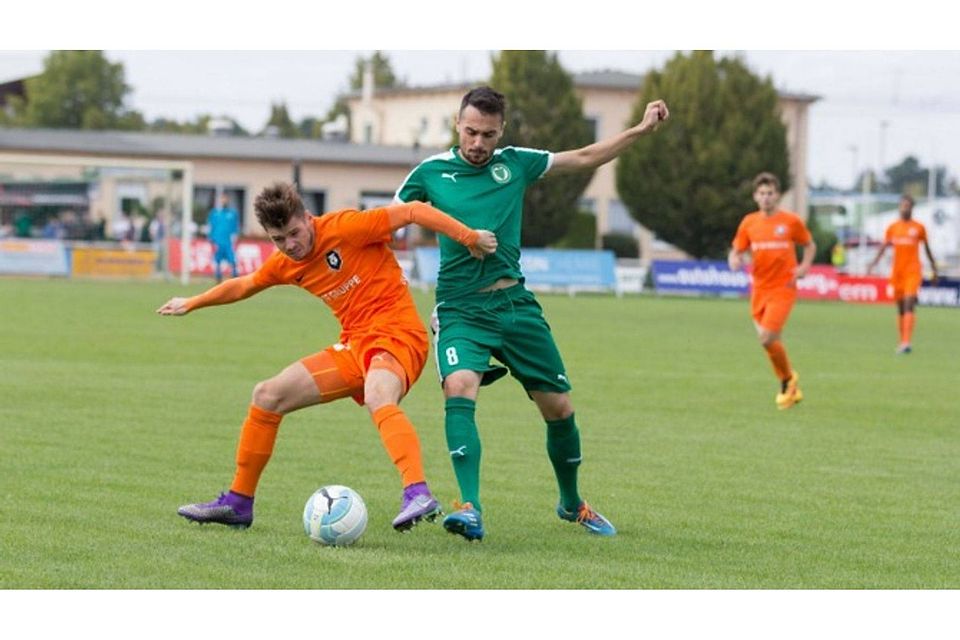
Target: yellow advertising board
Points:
(114, 263)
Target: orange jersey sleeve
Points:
(226, 292)
(741, 241)
(801, 235)
(432, 218)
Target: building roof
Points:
(797, 97)
(184, 146)
(591, 79)
(601, 79)
(608, 79)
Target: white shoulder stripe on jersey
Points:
(446, 155)
(549, 155)
(531, 150)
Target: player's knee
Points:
(767, 338)
(266, 395)
(555, 406)
(459, 385)
(379, 395)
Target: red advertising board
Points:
(250, 255)
(824, 283)
(865, 289)
(820, 283)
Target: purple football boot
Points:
(231, 509)
(418, 504)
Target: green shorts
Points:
(508, 325)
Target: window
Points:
(593, 126)
(374, 199)
(314, 200)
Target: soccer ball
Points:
(335, 515)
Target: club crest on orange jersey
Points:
(333, 260)
(780, 230)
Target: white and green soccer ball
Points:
(335, 515)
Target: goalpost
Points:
(181, 171)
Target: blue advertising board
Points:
(33, 257)
(553, 268)
(945, 293)
(699, 277)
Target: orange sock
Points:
(778, 358)
(401, 442)
(906, 326)
(257, 437)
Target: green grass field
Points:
(112, 416)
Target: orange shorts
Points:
(771, 308)
(341, 369)
(906, 286)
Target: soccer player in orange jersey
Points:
(905, 235)
(343, 258)
(770, 235)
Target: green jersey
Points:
(487, 197)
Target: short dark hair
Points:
(485, 100)
(908, 198)
(766, 178)
(277, 204)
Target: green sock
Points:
(463, 442)
(563, 447)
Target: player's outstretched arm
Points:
(876, 258)
(933, 263)
(806, 261)
(735, 260)
(479, 242)
(174, 307)
(598, 153)
(224, 293)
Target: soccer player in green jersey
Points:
(484, 310)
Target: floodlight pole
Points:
(867, 176)
(186, 217)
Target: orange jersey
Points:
(906, 236)
(352, 270)
(772, 242)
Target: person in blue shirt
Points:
(224, 227)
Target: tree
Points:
(690, 183)
(310, 127)
(910, 177)
(383, 75)
(824, 238)
(281, 123)
(543, 112)
(383, 78)
(77, 90)
(199, 125)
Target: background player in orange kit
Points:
(905, 235)
(343, 258)
(771, 236)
